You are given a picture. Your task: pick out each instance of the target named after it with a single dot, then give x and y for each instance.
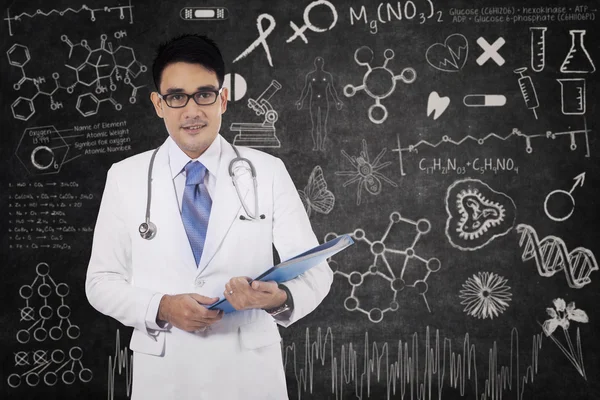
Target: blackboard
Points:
(456, 141)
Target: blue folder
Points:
(294, 266)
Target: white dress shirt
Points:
(177, 162)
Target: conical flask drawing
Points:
(578, 61)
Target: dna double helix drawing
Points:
(551, 256)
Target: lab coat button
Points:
(199, 282)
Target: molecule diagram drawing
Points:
(99, 70)
(378, 82)
(46, 317)
(393, 275)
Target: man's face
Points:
(193, 127)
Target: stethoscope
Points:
(148, 229)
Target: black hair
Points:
(189, 48)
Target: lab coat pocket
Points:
(253, 240)
(144, 343)
(259, 334)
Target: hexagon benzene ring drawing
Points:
(379, 249)
(23, 108)
(364, 56)
(42, 150)
(100, 65)
(94, 61)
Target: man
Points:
(204, 244)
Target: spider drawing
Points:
(367, 173)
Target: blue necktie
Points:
(195, 208)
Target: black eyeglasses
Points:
(204, 97)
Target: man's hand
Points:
(244, 296)
(187, 311)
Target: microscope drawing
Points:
(256, 134)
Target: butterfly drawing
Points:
(315, 195)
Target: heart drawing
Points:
(450, 56)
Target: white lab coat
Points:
(239, 357)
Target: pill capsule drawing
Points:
(484, 100)
(204, 14)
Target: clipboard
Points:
(293, 267)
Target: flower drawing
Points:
(485, 295)
(560, 316)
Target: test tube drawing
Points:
(538, 48)
(578, 60)
(528, 90)
(572, 96)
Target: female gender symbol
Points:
(309, 25)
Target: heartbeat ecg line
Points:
(121, 362)
(551, 255)
(515, 133)
(456, 57)
(92, 11)
(399, 369)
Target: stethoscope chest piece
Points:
(147, 230)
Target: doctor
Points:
(205, 238)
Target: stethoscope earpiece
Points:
(243, 218)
